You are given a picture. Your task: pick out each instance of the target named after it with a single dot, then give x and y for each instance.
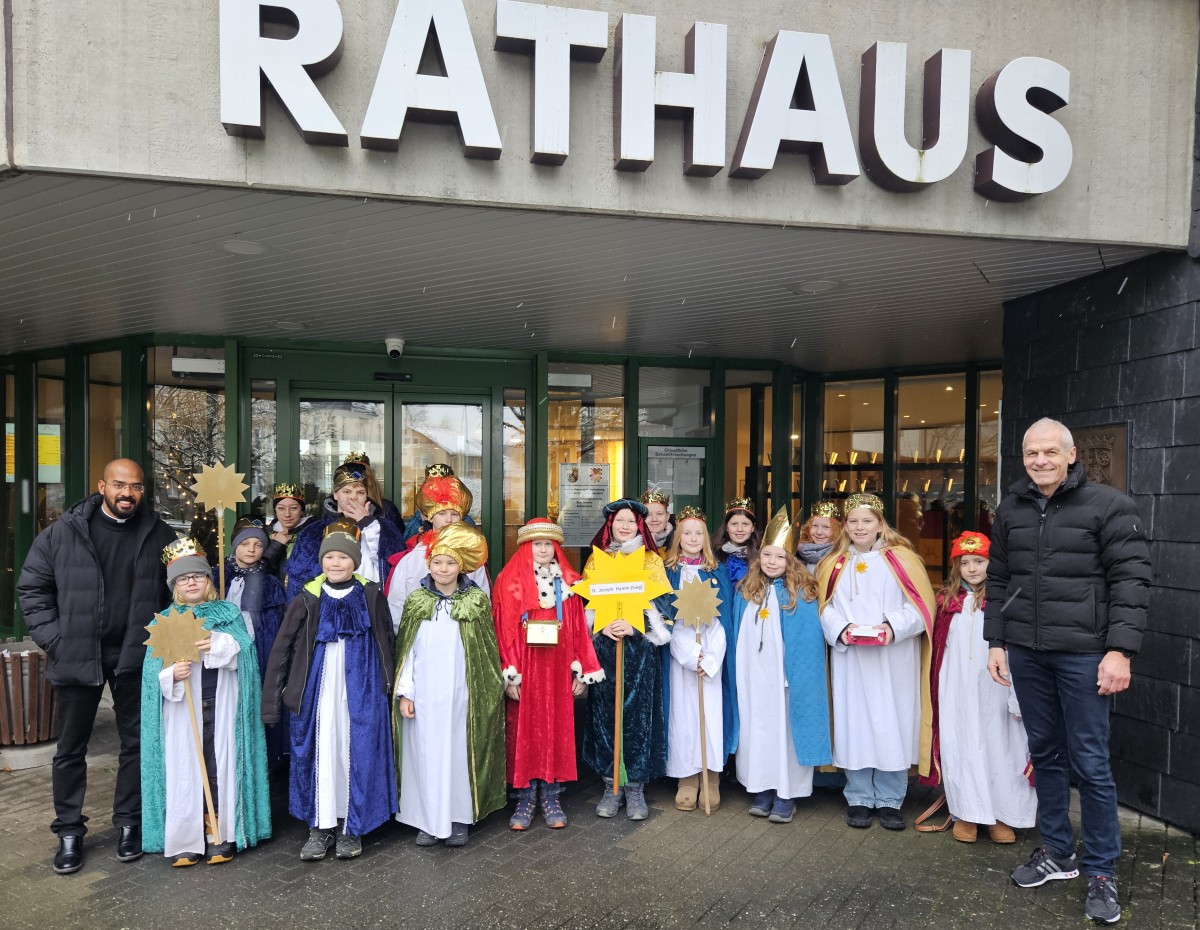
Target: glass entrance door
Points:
(331, 427)
(447, 433)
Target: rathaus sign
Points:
(796, 105)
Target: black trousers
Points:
(77, 706)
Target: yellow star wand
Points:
(172, 637)
(620, 586)
(221, 487)
(696, 605)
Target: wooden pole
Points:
(703, 738)
(221, 548)
(619, 690)
(208, 801)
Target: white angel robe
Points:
(184, 823)
(408, 575)
(876, 689)
(435, 786)
(984, 750)
(683, 725)
(766, 754)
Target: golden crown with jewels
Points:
(656, 496)
(870, 501)
(286, 489)
(184, 545)
(692, 513)
(740, 503)
(827, 508)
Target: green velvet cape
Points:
(485, 688)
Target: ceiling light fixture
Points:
(813, 288)
(243, 247)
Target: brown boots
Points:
(689, 797)
(966, 832)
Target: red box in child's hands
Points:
(866, 636)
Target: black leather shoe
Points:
(129, 843)
(69, 857)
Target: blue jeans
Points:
(1067, 724)
(875, 788)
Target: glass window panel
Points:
(447, 433)
(187, 432)
(853, 439)
(674, 402)
(585, 425)
(263, 463)
(104, 413)
(51, 441)
(6, 540)
(797, 446)
(329, 431)
(748, 437)
(514, 468)
(990, 393)
(930, 465)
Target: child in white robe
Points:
(980, 748)
(877, 608)
(697, 656)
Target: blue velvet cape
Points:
(304, 564)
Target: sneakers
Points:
(552, 811)
(348, 846)
(317, 846)
(458, 835)
(890, 818)
(858, 816)
(762, 803)
(1043, 866)
(611, 802)
(426, 839)
(1101, 904)
(782, 810)
(522, 816)
(635, 801)
(221, 852)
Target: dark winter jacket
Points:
(62, 593)
(289, 664)
(1072, 578)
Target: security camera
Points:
(395, 347)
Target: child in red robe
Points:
(548, 660)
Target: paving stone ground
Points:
(675, 870)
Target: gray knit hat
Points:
(248, 528)
(343, 536)
(185, 556)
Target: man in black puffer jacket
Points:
(90, 584)
(1067, 590)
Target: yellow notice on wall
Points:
(10, 453)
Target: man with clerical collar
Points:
(92, 581)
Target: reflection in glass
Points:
(514, 467)
(104, 413)
(187, 432)
(51, 442)
(674, 402)
(990, 387)
(748, 438)
(451, 434)
(930, 466)
(329, 431)
(585, 425)
(853, 441)
(262, 448)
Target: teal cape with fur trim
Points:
(253, 812)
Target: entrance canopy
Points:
(89, 258)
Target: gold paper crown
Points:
(438, 470)
(289, 490)
(184, 545)
(345, 527)
(349, 473)
(692, 513)
(463, 543)
(825, 508)
(357, 458)
(780, 531)
(740, 503)
(540, 528)
(870, 501)
(655, 496)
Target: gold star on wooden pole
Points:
(220, 487)
(696, 603)
(173, 636)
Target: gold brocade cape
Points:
(909, 571)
